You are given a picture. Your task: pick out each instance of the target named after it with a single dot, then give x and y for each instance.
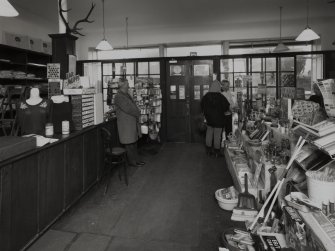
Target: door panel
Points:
(185, 88)
(178, 129)
(202, 75)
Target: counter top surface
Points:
(61, 139)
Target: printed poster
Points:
(327, 88)
(197, 94)
(173, 92)
(181, 91)
(206, 89)
(201, 70)
(177, 70)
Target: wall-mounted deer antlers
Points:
(75, 29)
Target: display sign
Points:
(201, 70)
(181, 91)
(177, 70)
(327, 89)
(197, 94)
(173, 92)
(53, 71)
(288, 92)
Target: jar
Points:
(49, 130)
(65, 127)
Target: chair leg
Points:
(109, 174)
(125, 172)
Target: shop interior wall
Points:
(28, 24)
(210, 32)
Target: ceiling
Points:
(144, 14)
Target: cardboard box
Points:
(15, 40)
(47, 47)
(35, 44)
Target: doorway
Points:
(187, 82)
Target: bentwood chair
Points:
(114, 158)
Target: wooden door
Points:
(187, 82)
(200, 79)
(178, 110)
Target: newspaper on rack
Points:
(327, 89)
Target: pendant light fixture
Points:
(280, 47)
(307, 34)
(7, 10)
(104, 45)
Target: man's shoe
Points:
(140, 163)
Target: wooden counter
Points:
(38, 186)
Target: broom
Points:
(278, 186)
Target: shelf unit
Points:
(19, 69)
(25, 61)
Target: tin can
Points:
(65, 127)
(49, 130)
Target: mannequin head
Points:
(34, 93)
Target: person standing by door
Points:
(228, 115)
(127, 115)
(214, 105)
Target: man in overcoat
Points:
(127, 115)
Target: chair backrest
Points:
(106, 139)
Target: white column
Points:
(61, 25)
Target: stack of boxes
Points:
(82, 111)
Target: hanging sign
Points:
(181, 91)
(201, 70)
(197, 94)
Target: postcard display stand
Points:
(148, 97)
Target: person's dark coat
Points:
(214, 105)
(127, 114)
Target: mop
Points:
(246, 209)
(275, 191)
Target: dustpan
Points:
(246, 209)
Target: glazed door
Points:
(201, 77)
(187, 82)
(178, 106)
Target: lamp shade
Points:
(7, 10)
(307, 35)
(281, 48)
(104, 45)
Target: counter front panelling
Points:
(37, 187)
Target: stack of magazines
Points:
(322, 134)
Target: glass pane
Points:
(287, 63)
(106, 107)
(238, 79)
(156, 79)
(270, 79)
(130, 68)
(154, 67)
(118, 68)
(229, 77)
(226, 65)
(105, 94)
(106, 81)
(240, 65)
(304, 72)
(270, 64)
(256, 64)
(143, 68)
(257, 79)
(271, 91)
(107, 69)
(287, 80)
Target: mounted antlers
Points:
(75, 29)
